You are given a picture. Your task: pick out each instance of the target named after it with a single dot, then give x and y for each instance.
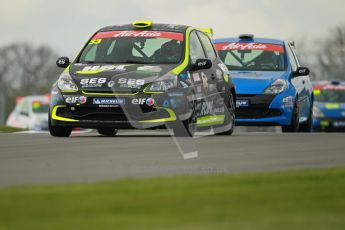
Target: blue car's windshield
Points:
(330, 96)
(252, 56)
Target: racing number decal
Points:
(95, 41)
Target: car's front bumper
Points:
(168, 107)
(265, 110)
(328, 124)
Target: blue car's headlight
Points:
(276, 87)
(65, 83)
(317, 112)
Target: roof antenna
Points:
(246, 36)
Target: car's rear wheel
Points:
(294, 126)
(230, 117)
(109, 132)
(58, 131)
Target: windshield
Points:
(142, 47)
(40, 107)
(252, 56)
(330, 96)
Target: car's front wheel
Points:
(294, 126)
(308, 125)
(58, 131)
(109, 132)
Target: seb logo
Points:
(92, 82)
(130, 83)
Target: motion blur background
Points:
(35, 32)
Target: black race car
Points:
(142, 76)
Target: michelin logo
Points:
(108, 101)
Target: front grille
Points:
(258, 106)
(257, 113)
(110, 114)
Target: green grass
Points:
(6, 129)
(308, 199)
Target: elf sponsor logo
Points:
(141, 101)
(76, 100)
(92, 82)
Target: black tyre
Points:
(230, 117)
(294, 126)
(58, 131)
(109, 132)
(307, 126)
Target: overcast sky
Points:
(65, 25)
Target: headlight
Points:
(317, 112)
(65, 83)
(276, 87)
(162, 84)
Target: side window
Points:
(23, 106)
(196, 50)
(211, 53)
(91, 54)
(26, 106)
(292, 58)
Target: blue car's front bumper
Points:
(265, 110)
(328, 124)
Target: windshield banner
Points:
(249, 46)
(139, 34)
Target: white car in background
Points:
(31, 112)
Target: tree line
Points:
(325, 56)
(25, 70)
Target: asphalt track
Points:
(41, 159)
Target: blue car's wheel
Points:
(294, 125)
(308, 125)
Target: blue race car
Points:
(329, 106)
(272, 87)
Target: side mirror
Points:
(63, 62)
(202, 64)
(301, 71)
